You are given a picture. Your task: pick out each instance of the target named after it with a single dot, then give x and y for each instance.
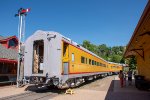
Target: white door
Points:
(65, 65)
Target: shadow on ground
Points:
(39, 89)
(115, 92)
(110, 91)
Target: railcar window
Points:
(82, 59)
(89, 61)
(95, 62)
(72, 57)
(86, 60)
(92, 62)
(104, 65)
(65, 46)
(100, 64)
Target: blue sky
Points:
(110, 22)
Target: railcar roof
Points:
(79, 46)
(73, 43)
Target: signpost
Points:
(21, 29)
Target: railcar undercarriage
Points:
(71, 82)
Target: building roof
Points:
(8, 38)
(140, 37)
(1, 37)
(7, 53)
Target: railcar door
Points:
(38, 54)
(65, 66)
(65, 59)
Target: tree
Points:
(86, 44)
(122, 60)
(103, 51)
(113, 54)
(132, 62)
(116, 58)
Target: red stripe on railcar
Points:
(89, 72)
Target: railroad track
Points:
(31, 96)
(34, 93)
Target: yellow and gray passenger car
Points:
(52, 59)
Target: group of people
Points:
(123, 76)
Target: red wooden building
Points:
(8, 57)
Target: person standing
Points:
(125, 76)
(129, 77)
(121, 78)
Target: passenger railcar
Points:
(115, 67)
(52, 59)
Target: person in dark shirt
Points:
(130, 77)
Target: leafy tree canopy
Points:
(113, 54)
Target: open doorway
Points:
(65, 58)
(38, 55)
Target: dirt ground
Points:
(107, 88)
(95, 90)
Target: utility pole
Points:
(21, 29)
